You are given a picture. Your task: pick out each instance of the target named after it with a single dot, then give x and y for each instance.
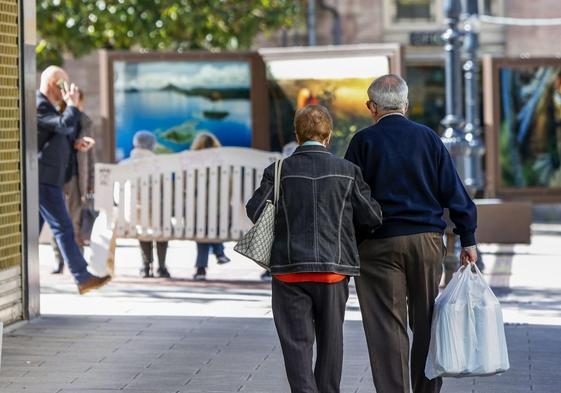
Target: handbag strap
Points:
(278, 168)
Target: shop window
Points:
(414, 9)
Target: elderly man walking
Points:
(57, 137)
(413, 178)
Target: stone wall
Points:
(533, 41)
(361, 22)
(85, 73)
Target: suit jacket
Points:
(85, 159)
(56, 135)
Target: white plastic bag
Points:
(101, 253)
(467, 337)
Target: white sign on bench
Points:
(193, 195)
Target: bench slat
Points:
(166, 207)
(201, 203)
(155, 222)
(224, 214)
(144, 195)
(190, 204)
(178, 213)
(212, 224)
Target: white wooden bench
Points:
(193, 195)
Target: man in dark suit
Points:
(57, 139)
(413, 178)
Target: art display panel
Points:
(176, 96)
(177, 100)
(523, 128)
(337, 79)
(530, 129)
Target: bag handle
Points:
(278, 168)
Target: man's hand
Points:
(71, 95)
(468, 255)
(84, 144)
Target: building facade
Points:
(415, 24)
(19, 279)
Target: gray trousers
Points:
(397, 275)
(302, 312)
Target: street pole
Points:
(473, 180)
(453, 137)
(311, 23)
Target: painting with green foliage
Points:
(530, 127)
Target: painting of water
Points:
(177, 99)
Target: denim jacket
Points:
(324, 206)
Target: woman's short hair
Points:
(205, 140)
(144, 140)
(313, 123)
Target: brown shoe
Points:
(91, 283)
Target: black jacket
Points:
(56, 135)
(412, 175)
(323, 203)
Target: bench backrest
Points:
(193, 195)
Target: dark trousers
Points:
(52, 209)
(74, 205)
(202, 253)
(398, 274)
(146, 246)
(302, 312)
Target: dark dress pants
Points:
(397, 275)
(302, 312)
(146, 246)
(52, 209)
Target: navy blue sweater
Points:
(413, 177)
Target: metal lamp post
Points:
(453, 137)
(473, 179)
(311, 22)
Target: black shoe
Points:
(200, 275)
(222, 259)
(266, 276)
(163, 272)
(146, 271)
(59, 269)
(91, 283)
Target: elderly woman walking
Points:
(144, 143)
(324, 205)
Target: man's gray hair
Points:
(389, 93)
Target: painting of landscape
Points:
(175, 100)
(339, 83)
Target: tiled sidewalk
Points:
(204, 354)
(159, 336)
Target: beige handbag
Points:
(256, 244)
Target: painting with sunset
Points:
(339, 83)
